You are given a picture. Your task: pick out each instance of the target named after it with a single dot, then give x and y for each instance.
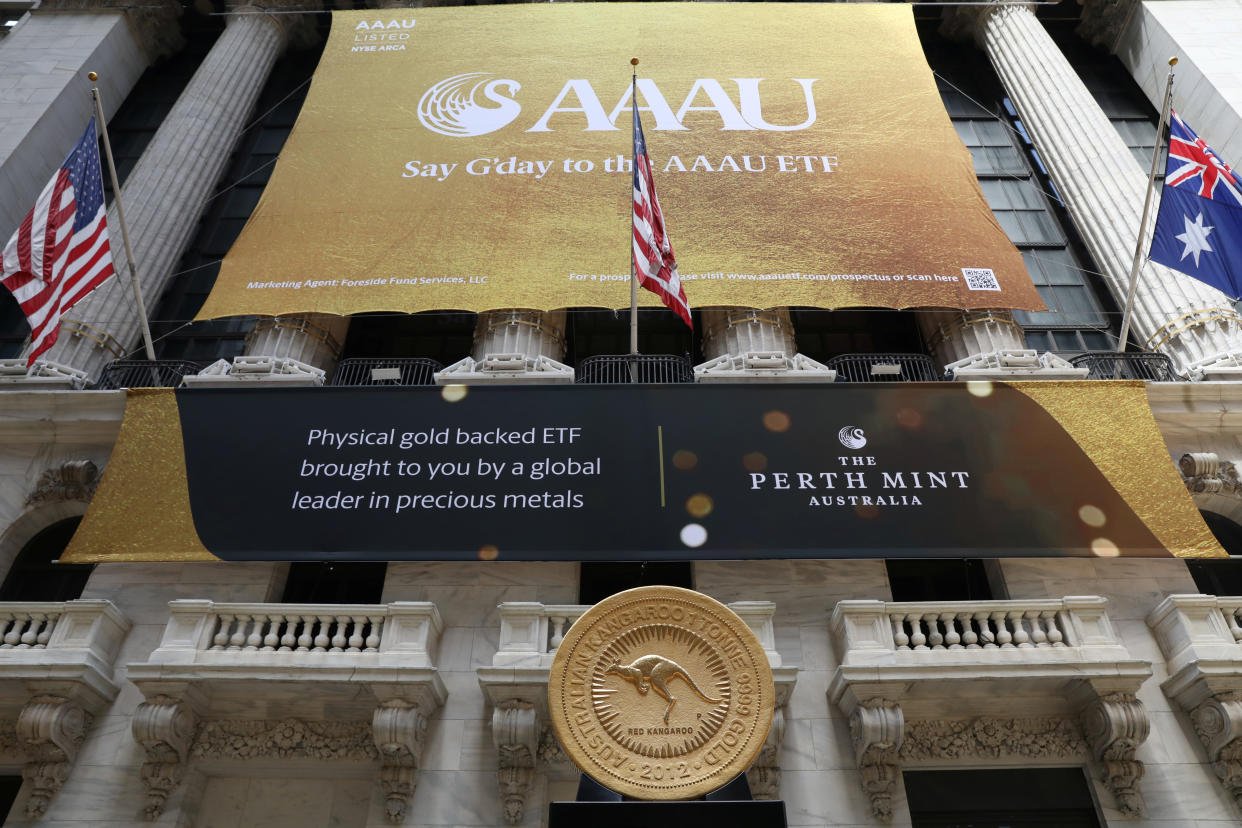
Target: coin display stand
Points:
(662, 697)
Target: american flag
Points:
(654, 262)
(60, 252)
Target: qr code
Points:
(980, 278)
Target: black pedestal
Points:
(597, 807)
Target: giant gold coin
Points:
(661, 693)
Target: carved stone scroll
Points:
(877, 729)
(51, 729)
(1115, 724)
(1218, 723)
(164, 726)
(515, 732)
(765, 775)
(72, 480)
(398, 728)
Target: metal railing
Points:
(1141, 366)
(884, 368)
(380, 371)
(141, 373)
(628, 368)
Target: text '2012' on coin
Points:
(661, 693)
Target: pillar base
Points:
(43, 375)
(1223, 367)
(245, 370)
(763, 366)
(1014, 364)
(506, 368)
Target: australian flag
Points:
(1199, 226)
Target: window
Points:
(823, 334)
(1220, 576)
(1024, 201)
(963, 579)
(34, 575)
(1024, 798)
(445, 337)
(335, 582)
(596, 581)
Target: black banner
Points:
(644, 473)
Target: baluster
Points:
(1055, 637)
(377, 632)
(255, 638)
(951, 636)
(970, 633)
(987, 630)
(289, 638)
(271, 638)
(916, 631)
(558, 632)
(221, 639)
(1020, 635)
(46, 633)
(1233, 617)
(238, 639)
(899, 631)
(321, 637)
(1003, 637)
(14, 634)
(5, 619)
(355, 637)
(338, 633)
(32, 631)
(934, 635)
(1038, 636)
(304, 639)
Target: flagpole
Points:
(633, 172)
(1151, 188)
(148, 344)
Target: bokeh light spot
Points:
(756, 461)
(980, 388)
(1104, 548)
(867, 512)
(699, 505)
(777, 421)
(1093, 516)
(453, 393)
(488, 553)
(909, 418)
(685, 460)
(693, 535)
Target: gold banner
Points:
(478, 158)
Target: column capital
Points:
(153, 24)
(966, 23)
(297, 29)
(1103, 21)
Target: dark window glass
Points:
(596, 581)
(823, 334)
(958, 579)
(1024, 798)
(335, 582)
(9, 786)
(35, 577)
(444, 337)
(1220, 576)
(602, 333)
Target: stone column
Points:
(988, 345)
(749, 345)
(1103, 188)
(165, 194)
(514, 346)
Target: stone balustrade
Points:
(1201, 639)
(349, 681)
(961, 669)
(56, 665)
(516, 685)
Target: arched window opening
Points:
(35, 575)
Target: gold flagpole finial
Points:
(92, 76)
(633, 61)
(1173, 60)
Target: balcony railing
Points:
(141, 373)
(1142, 366)
(378, 371)
(636, 368)
(884, 368)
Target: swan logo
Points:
(851, 437)
(454, 107)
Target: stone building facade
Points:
(180, 694)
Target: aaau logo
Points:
(476, 103)
(375, 25)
